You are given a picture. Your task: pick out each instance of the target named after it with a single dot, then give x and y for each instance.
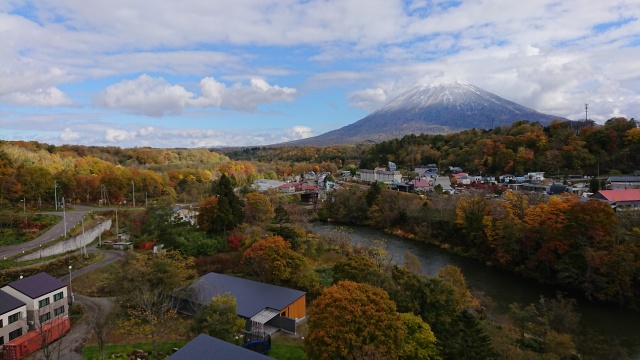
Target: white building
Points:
(535, 176)
(263, 185)
(380, 174)
(45, 297)
(506, 178)
(13, 318)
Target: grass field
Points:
(284, 347)
(99, 283)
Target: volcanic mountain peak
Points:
(436, 107)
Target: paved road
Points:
(72, 219)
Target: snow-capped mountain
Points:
(432, 108)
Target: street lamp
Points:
(70, 288)
(24, 208)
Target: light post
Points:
(70, 288)
(24, 208)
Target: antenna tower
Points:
(586, 112)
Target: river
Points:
(501, 286)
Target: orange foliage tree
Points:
(354, 321)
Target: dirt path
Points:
(74, 341)
(70, 347)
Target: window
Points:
(15, 333)
(1, 340)
(1, 323)
(42, 303)
(13, 318)
(58, 311)
(57, 296)
(45, 317)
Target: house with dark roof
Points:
(13, 318)
(44, 296)
(265, 307)
(623, 182)
(620, 200)
(205, 347)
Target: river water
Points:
(501, 286)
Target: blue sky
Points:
(196, 73)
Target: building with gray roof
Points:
(623, 182)
(205, 347)
(13, 314)
(44, 296)
(264, 306)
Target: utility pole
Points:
(64, 217)
(84, 238)
(24, 209)
(117, 230)
(55, 192)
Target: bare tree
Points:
(153, 283)
(98, 327)
(50, 330)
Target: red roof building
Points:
(620, 199)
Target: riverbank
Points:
(502, 287)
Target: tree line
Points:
(561, 148)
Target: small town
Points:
(319, 180)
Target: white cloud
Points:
(247, 98)
(145, 95)
(550, 55)
(67, 135)
(369, 99)
(120, 136)
(42, 97)
(147, 131)
(150, 96)
(299, 132)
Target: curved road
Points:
(57, 230)
(73, 218)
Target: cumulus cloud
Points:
(119, 136)
(550, 55)
(51, 96)
(68, 135)
(368, 99)
(145, 95)
(299, 132)
(190, 137)
(151, 96)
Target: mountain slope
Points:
(438, 109)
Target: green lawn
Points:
(113, 350)
(284, 349)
